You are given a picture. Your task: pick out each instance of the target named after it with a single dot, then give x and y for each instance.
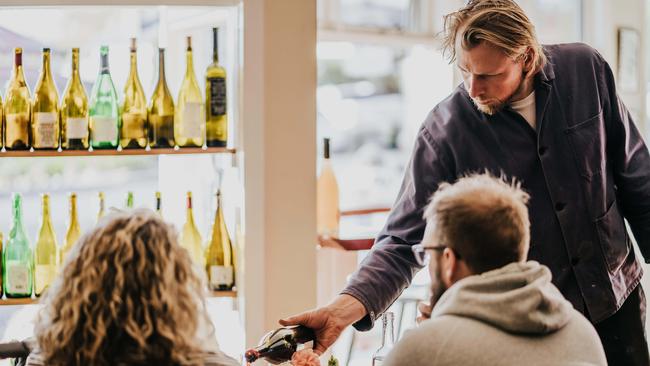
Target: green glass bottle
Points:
(104, 109)
(45, 253)
(216, 125)
(17, 260)
(129, 200)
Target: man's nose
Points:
(473, 86)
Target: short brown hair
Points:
(483, 219)
(502, 23)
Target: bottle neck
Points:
(215, 45)
(388, 337)
(161, 66)
(75, 65)
(133, 72)
(73, 209)
(47, 73)
(104, 63)
(18, 66)
(189, 70)
(158, 203)
(190, 215)
(18, 213)
(46, 209)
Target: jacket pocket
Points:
(588, 142)
(613, 238)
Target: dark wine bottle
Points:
(279, 345)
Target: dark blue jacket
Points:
(586, 167)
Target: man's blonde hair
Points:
(501, 23)
(483, 219)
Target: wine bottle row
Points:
(77, 123)
(28, 269)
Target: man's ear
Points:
(529, 62)
(449, 267)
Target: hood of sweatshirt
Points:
(518, 298)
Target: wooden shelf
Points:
(116, 152)
(35, 300)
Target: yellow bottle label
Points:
(43, 275)
(191, 127)
(221, 276)
(17, 127)
(76, 128)
(17, 276)
(45, 132)
(162, 126)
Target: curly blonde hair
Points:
(128, 294)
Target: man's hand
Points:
(329, 321)
(425, 311)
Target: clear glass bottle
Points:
(73, 232)
(387, 341)
(133, 132)
(327, 197)
(45, 253)
(45, 109)
(189, 120)
(74, 110)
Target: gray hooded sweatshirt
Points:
(510, 316)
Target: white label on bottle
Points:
(17, 277)
(192, 121)
(45, 129)
(220, 276)
(104, 128)
(76, 128)
(43, 274)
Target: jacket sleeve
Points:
(390, 265)
(630, 160)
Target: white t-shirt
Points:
(526, 107)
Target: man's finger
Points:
(299, 319)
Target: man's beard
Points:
(437, 287)
(491, 109)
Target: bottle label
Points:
(191, 126)
(17, 128)
(103, 128)
(43, 274)
(161, 128)
(217, 96)
(46, 125)
(17, 277)
(221, 276)
(76, 128)
(132, 125)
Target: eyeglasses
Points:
(421, 252)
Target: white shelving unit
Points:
(274, 113)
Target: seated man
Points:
(128, 295)
(490, 306)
